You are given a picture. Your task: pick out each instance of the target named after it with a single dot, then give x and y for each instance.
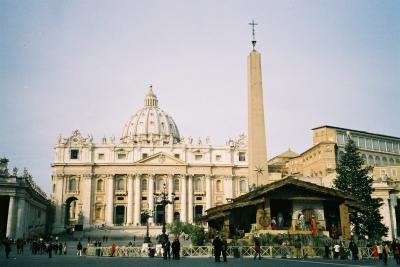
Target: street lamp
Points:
(146, 215)
(163, 199)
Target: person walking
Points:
(380, 251)
(297, 246)
(375, 251)
(167, 249)
(65, 248)
(7, 247)
(385, 254)
(257, 249)
(79, 249)
(50, 250)
(396, 251)
(176, 248)
(354, 250)
(217, 243)
(113, 248)
(224, 249)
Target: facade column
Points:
(110, 201)
(183, 200)
(385, 211)
(136, 217)
(58, 201)
(208, 192)
(344, 220)
(87, 200)
(20, 218)
(228, 190)
(130, 201)
(393, 204)
(150, 197)
(190, 199)
(170, 214)
(12, 207)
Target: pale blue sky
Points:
(87, 65)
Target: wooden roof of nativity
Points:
(257, 196)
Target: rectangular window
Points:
(198, 157)
(383, 173)
(394, 173)
(242, 156)
(340, 139)
(389, 147)
(144, 198)
(218, 157)
(100, 156)
(199, 198)
(369, 144)
(177, 156)
(121, 156)
(376, 144)
(74, 153)
(144, 155)
(362, 142)
(382, 145)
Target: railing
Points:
(208, 251)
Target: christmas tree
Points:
(353, 177)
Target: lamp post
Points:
(162, 199)
(147, 214)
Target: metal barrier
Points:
(208, 251)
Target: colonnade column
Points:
(208, 192)
(11, 218)
(20, 218)
(190, 199)
(87, 199)
(130, 201)
(150, 197)
(110, 201)
(183, 199)
(170, 213)
(136, 217)
(59, 218)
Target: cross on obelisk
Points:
(252, 23)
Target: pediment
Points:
(161, 159)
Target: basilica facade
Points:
(112, 183)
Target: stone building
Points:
(23, 205)
(378, 150)
(111, 183)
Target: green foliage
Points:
(196, 232)
(353, 177)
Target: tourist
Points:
(113, 248)
(281, 221)
(302, 222)
(336, 251)
(60, 248)
(313, 224)
(257, 249)
(79, 249)
(297, 246)
(396, 251)
(334, 232)
(327, 249)
(273, 223)
(385, 253)
(217, 248)
(176, 248)
(380, 251)
(167, 249)
(7, 247)
(224, 249)
(375, 251)
(65, 248)
(50, 249)
(353, 249)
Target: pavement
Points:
(72, 260)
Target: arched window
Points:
(384, 161)
(120, 184)
(370, 160)
(176, 185)
(159, 184)
(391, 161)
(144, 185)
(243, 186)
(198, 185)
(100, 185)
(364, 157)
(397, 161)
(377, 161)
(219, 186)
(72, 185)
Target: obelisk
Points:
(257, 150)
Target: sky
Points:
(87, 65)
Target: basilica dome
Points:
(150, 124)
